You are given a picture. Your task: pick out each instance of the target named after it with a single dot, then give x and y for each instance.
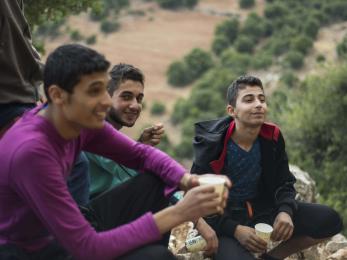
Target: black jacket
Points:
(20, 66)
(276, 186)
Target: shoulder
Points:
(271, 132)
(213, 126)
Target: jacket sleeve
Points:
(285, 191)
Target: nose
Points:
(134, 104)
(106, 100)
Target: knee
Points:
(330, 223)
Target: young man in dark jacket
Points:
(252, 154)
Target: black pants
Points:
(313, 220)
(118, 206)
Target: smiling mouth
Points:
(101, 115)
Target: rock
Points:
(339, 255)
(337, 242)
(305, 185)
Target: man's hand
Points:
(283, 227)
(209, 235)
(189, 181)
(152, 135)
(247, 238)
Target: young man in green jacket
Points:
(126, 89)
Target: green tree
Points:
(246, 3)
(220, 43)
(245, 44)
(294, 59)
(254, 26)
(41, 11)
(229, 29)
(301, 43)
(316, 130)
(158, 108)
(341, 48)
(107, 26)
(178, 74)
(198, 61)
(237, 62)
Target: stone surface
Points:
(334, 249)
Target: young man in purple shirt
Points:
(38, 217)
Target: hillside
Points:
(153, 40)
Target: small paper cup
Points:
(263, 231)
(217, 182)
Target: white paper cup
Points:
(216, 181)
(263, 231)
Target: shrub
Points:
(320, 58)
(261, 60)
(294, 59)
(341, 48)
(220, 43)
(75, 35)
(91, 40)
(184, 149)
(311, 28)
(254, 26)
(174, 4)
(275, 10)
(278, 45)
(229, 29)
(198, 61)
(158, 108)
(50, 28)
(182, 110)
(301, 43)
(289, 79)
(116, 5)
(190, 3)
(178, 74)
(39, 46)
(237, 62)
(244, 43)
(109, 26)
(246, 3)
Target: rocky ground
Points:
(333, 249)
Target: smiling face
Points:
(126, 103)
(89, 103)
(250, 108)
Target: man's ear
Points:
(57, 94)
(231, 110)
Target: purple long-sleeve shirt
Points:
(35, 204)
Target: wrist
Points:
(184, 182)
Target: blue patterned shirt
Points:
(244, 169)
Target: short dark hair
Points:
(122, 72)
(241, 83)
(68, 63)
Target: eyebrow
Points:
(130, 93)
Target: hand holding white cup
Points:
(263, 231)
(218, 182)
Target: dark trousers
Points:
(118, 206)
(9, 113)
(313, 220)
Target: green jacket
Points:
(105, 174)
